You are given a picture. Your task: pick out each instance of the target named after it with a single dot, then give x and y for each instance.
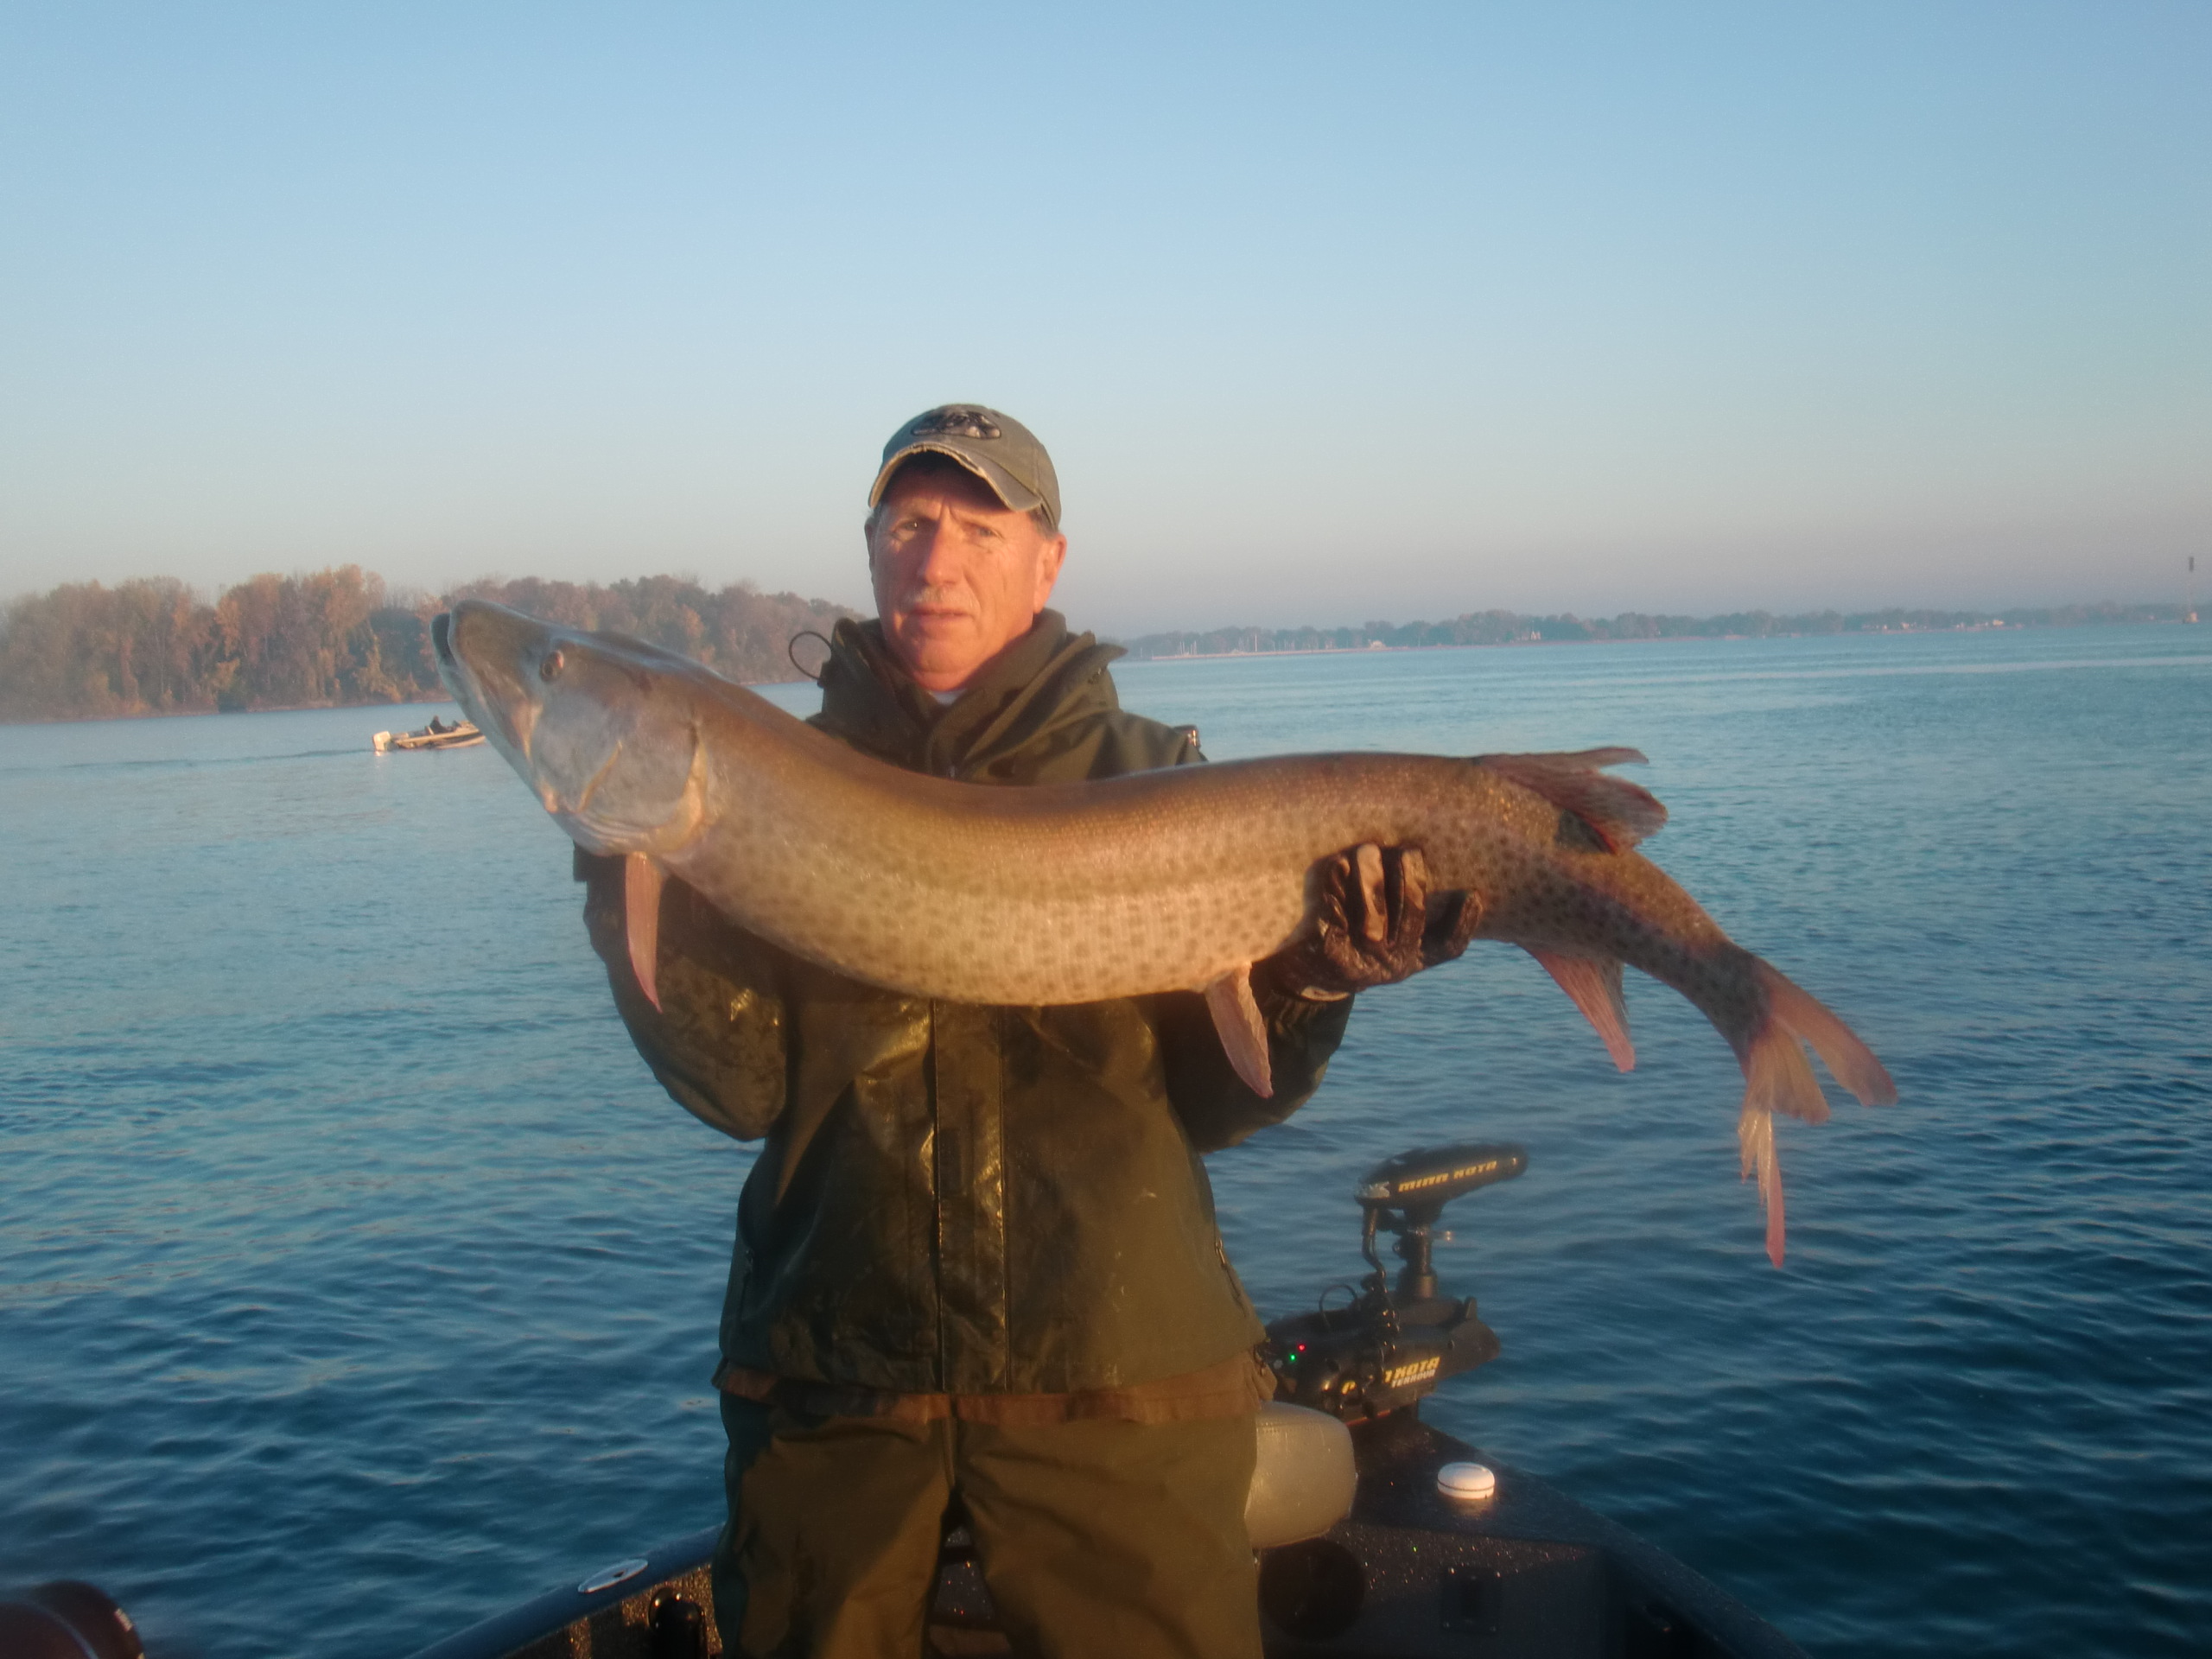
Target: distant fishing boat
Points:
(438, 735)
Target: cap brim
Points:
(1015, 495)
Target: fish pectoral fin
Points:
(1594, 983)
(641, 884)
(1619, 813)
(1243, 1033)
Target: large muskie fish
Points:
(1176, 880)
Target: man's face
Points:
(959, 575)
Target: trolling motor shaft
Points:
(1389, 1347)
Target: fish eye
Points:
(551, 667)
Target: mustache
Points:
(935, 598)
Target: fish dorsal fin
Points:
(1619, 813)
(1594, 983)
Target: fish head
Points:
(598, 725)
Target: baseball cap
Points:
(997, 447)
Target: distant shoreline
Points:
(1378, 648)
(336, 639)
(1507, 628)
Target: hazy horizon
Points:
(1324, 316)
(408, 594)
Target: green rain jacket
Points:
(957, 1199)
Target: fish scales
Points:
(1170, 880)
(1126, 887)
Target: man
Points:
(978, 1271)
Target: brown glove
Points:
(1375, 924)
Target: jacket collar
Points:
(1051, 678)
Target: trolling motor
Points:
(1388, 1346)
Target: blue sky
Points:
(1326, 313)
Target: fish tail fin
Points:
(1852, 1063)
(1777, 1078)
(641, 884)
(1594, 984)
(1243, 1033)
(1754, 1137)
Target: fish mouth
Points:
(497, 700)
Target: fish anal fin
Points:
(641, 884)
(1619, 813)
(1243, 1033)
(1594, 983)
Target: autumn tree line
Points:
(338, 637)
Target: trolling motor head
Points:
(1405, 1195)
(1388, 1348)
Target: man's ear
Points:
(1048, 568)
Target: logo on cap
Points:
(957, 422)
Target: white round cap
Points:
(1466, 1482)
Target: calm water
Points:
(355, 1281)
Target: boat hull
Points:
(462, 735)
(1528, 1574)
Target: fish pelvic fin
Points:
(1243, 1033)
(1620, 814)
(641, 884)
(1594, 983)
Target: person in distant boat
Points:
(977, 1276)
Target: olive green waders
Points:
(1099, 1538)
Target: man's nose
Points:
(935, 553)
